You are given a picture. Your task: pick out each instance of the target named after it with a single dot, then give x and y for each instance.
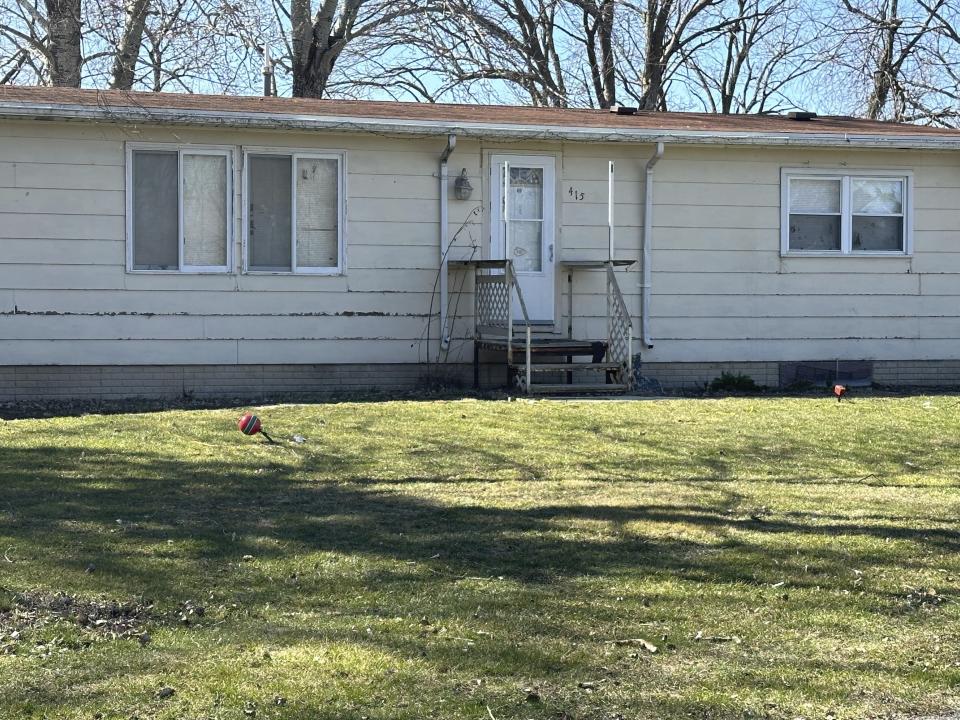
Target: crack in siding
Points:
(133, 313)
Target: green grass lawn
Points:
(783, 557)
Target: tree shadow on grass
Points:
(185, 526)
(152, 522)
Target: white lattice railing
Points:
(493, 304)
(493, 299)
(495, 289)
(619, 330)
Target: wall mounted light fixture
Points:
(462, 188)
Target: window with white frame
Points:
(845, 213)
(178, 215)
(294, 212)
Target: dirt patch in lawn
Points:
(29, 613)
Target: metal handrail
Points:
(528, 345)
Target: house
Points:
(156, 245)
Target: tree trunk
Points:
(608, 68)
(128, 51)
(317, 43)
(883, 77)
(301, 30)
(63, 18)
(599, 47)
(654, 62)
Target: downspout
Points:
(444, 191)
(647, 240)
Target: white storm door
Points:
(523, 227)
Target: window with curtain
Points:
(294, 209)
(828, 212)
(180, 209)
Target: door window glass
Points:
(525, 206)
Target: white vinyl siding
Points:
(827, 212)
(178, 208)
(721, 290)
(294, 212)
(63, 248)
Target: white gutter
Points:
(289, 121)
(444, 192)
(647, 240)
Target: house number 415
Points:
(576, 194)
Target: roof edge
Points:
(433, 128)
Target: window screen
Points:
(204, 210)
(155, 211)
(268, 241)
(317, 213)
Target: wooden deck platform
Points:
(551, 346)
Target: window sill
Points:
(875, 254)
(131, 271)
(333, 272)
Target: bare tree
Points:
(128, 50)
(895, 40)
(657, 34)
(936, 88)
(42, 42)
(138, 44)
(64, 42)
(898, 56)
(597, 22)
(47, 41)
(556, 53)
(317, 40)
(173, 34)
(177, 45)
(505, 40)
(755, 64)
(566, 53)
(886, 59)
(23, 34)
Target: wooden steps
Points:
(577, 388)
(566, 367)
(549, 346)
(545, 353)
(532, 354)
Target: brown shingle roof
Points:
(494, 116)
